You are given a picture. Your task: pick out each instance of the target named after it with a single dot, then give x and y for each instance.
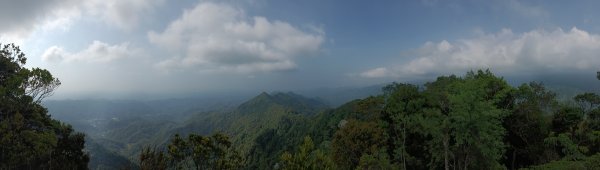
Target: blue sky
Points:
(109, 48)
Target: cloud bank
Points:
(21, 18)
(97, 52)
(505, 52)
(219, 37)
(125, 15)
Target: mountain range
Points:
(118, 130)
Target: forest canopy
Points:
(475, 121)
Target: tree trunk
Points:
(404, 147)
(446, 165)
(466, 158)
(513, 159)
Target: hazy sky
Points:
(158, 47)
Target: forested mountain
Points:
(340, 95)
(103, 158)
(119, 129)
(475, 121)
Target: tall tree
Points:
(355, 139)
(528, 126)
(464, 120)
(29, 138)
(204, 152)
(587, 101)
(402, 114)
(153, 158)
(307, 157)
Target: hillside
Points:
(120, 129)
(253, 117)
(268, 126)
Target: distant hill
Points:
(291, 101)
(251, 118)
(262, 127)
(102, 158)
(340, 95)
(117, 130)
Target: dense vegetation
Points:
(473, 122)
(477, 121)
(29, 138)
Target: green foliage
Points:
(588, 163)
(476, 121)
(69, 153)
(569, 149)
(266, 112)
(587, 101)
(378, 160)
(465, 120)
(203, 152)
(567, 119)
(270, 144)
(152, 158)
(528, 126)
(307, 157)
(594, 119)
(355, 139)
(29, 138)
(404, 104)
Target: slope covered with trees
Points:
(477, 121)
(29, 138)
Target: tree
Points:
(527, 126)
(587, 101)
(152, 158)
(402, 114)
(573, 134)
(464, 120)
(69, 153)
(29, 138)
(355, 139)
(378, 160)
(307, 157)
(592, 162)
(567, 119)
(178, 151)
(203, 152)
(594, 119)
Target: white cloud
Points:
(375, 73)
(125, 15)
(54, 54)
(505, 52)
(95, 52)
(21, 18)
(219, 37)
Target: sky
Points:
(124, 48)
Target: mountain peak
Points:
(263, 94)
(290, 100)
